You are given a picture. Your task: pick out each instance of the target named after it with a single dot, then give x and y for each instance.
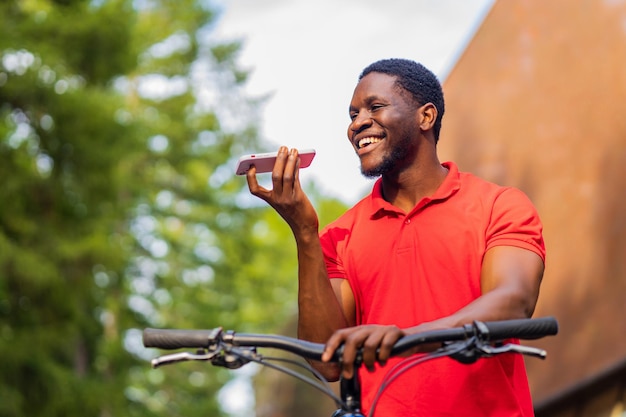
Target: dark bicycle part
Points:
(487, 331)
(479, 349)
(234, 358)
(170, 339)
(179, 339)
(350, 389)
(343, 413)
(228, 356)
(527, 329)
(465, 344)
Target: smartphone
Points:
(264, 162)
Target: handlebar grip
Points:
(177, 339)
(526, 329)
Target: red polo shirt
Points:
(410, 268)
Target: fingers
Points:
(285, 172)
(285, 175)
(346, 338)
(278, 172)
(375, 342)
(386, 344)
(332, 344)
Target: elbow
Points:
(526, 302)
(511, 305)
(522, 307)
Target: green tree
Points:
(119, 209)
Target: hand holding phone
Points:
(264, 162)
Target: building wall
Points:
(538, 101)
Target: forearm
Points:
(503, 303)
(495, 305)
(510, 281)
(319, 312)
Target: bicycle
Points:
(466, 344)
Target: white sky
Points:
(309, 53)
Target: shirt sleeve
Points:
(515, 222)
(334, 266)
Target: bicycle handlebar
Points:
(466, 344)
(170, 339)
(526, 329)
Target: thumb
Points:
(253, 185)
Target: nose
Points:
(360, 121)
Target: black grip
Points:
(178, 339)
(526, 329)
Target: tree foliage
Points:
(119, 121)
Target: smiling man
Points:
(429, 248)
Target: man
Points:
(429, 248)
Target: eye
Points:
(375, 107)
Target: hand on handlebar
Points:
(286, 195)
(375, 340)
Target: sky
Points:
(307, 56)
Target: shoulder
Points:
(510, 215)
(474, 186)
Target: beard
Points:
(392, 161)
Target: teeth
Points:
(368, 141)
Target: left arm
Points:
(510, 280)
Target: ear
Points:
(427, 114)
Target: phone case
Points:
(264, 162)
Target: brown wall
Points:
(538, 101)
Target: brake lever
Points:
(231, 358)
(471, 350)
(514, 348)
(182, 357)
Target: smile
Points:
(362, 143)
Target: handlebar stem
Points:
(350, 389)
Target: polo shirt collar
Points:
(450, 185)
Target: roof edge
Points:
(443, 74)
(581, 390)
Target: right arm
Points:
(324, 305)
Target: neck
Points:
(405, 189)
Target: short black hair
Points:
(415, 78)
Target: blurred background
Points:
(120, 124)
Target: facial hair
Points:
(392, 161)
